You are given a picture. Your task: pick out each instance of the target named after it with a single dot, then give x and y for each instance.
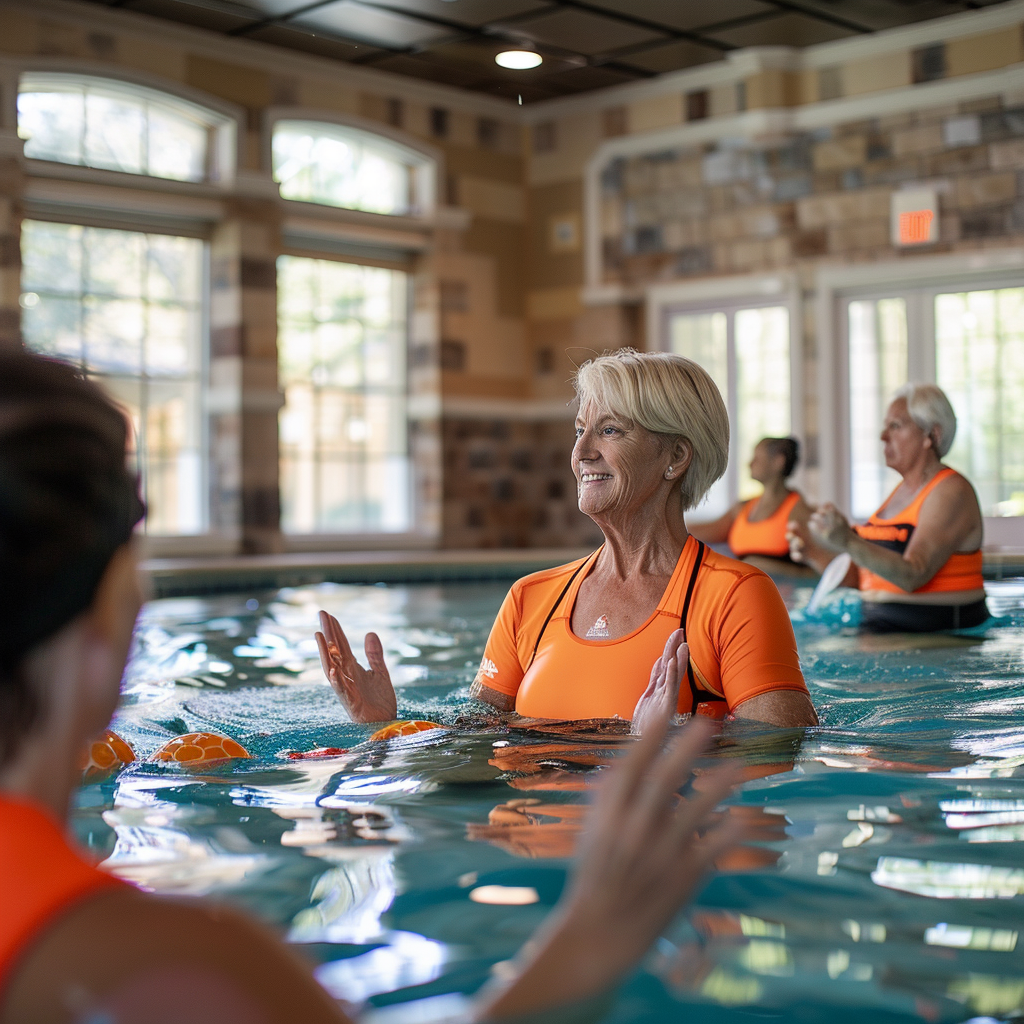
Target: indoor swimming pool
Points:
(885, 877)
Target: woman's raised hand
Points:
(367, 694)
(644, 852)
(829, 527)
(662, 694)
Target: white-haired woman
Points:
(917, 560)
(653, 608)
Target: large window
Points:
(344, 434)
(106, 124)
(878, 366)
(746, 351)
(127, 308)
(971, 343)
(346, 167)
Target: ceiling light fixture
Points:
(518, 60)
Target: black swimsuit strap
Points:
(558, 601)
(696, 695)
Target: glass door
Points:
(970, 343)
(746, 350)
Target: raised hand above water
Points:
(367, 694)
(661, 697)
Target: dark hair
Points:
(68, 501)
(789, 448)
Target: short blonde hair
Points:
(667, 394)
(931, 410)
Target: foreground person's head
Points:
(70, 595)
(650, 425)
(774, 458)
(919, 425)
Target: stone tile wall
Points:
(507, 483)
(726, 209)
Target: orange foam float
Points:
(407, 728)
(106, 754)
(196, 748)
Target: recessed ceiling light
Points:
(519, 60)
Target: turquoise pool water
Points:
(886, 879)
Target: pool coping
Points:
(178, 577)
(221, 574)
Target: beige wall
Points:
(503, 309)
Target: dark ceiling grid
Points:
(428, 39)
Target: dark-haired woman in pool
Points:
(77, 945)
(756, 529)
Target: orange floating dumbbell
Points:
(196, 748)
(407, 728)
(106, 754)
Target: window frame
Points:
(202, 374)
(102, 198)
(731, 295)
(298, 540)
(224, 120)
(313, 230)
(917, 280)
(426, 161)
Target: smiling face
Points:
(619, 465)
(904, 442)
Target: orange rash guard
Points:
(765, 537)
(740, 636)
(961, 572)
(41, 877)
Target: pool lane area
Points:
(884, 876)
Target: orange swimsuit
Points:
(766, 536)
(957, 590)
(961, 572)
(41, 877)
(740, 636)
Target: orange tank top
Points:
(739, 632)
(961, 572)
(41, 877)
(765, 537)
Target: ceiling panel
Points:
(262, 9)
(422, 67)
(784, 30)
(882, 14)
(583, 32)
(372, 24)
(586, 44)
(670, 56)
(295, 37)
(686, 14)
(473, 13)
(215, 17)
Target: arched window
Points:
(99, 122)
(336, 165)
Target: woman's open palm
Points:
(662, 694)
(367, 694)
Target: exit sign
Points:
(915, 217)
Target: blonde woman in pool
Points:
(594, 638)
(78, 946)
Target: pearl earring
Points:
(668, 473)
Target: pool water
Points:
(886, 876)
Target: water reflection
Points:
(856, 895)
